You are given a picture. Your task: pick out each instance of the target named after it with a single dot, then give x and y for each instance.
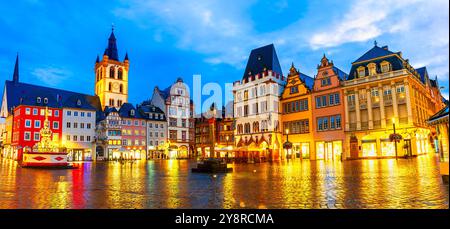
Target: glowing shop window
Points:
(387, 148)
(369, 149)
(329, 150)
(305, 150)
(419, 148)
(320, 150)
(337, 149)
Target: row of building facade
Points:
(103, 126)
(331, 116)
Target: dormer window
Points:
(38, 100)
(372, 69)
(385, 66)
(132, 112)
(45, 100)
(361, 71)
(78, 102)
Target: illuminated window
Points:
(361, 71)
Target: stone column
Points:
(358, 115)
(394, 102)
(346, 118)
(382, 115)
(369, 108)
(408, 103)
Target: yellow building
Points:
(440, 121)
(297, 116)
(382, 92)
(111, 83)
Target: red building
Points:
(28, 121)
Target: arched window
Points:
(239, 129)
(262, 90)
(110, 86)
(247, 128)
(255, 127)
(121, 88)
(101, 73)
(111, 72)
(120, 73)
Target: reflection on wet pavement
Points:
(387, 183)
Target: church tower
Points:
(111, 76)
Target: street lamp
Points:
(227, 137)
(395, 139)
(287, 142)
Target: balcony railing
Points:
(387, 100)
(351, 106)
(403, 120)
(364, 125)
(401, 99)
(352, 126)
(377, 124)
(376, 77)
(363, 104)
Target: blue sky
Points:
(58, 41)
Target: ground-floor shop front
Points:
(79, 155)
(378, 144)
(177, 151)
(114, 153)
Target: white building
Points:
(256, 106)
(175, 102)
(79, 133)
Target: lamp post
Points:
(287, 140)
(227, 138)
(395, 140)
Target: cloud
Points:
(51, 75)
(364, 21)
(224, 31)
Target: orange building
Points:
(297, 116)
(328, 111)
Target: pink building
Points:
(133, 132)
(328, 111)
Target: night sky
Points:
(58, 41)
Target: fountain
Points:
(46, 152)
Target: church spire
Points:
(16, 70)
(111, 50)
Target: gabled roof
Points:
(309, 82)
(381, 54)
(423, 74)
(260, 58)
(125, 111)
(27, 94)
(147, 108)
(340, 74)
(374, 53)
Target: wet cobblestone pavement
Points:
(386, 183)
